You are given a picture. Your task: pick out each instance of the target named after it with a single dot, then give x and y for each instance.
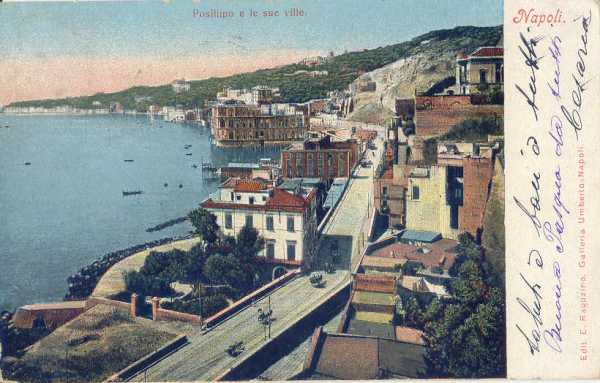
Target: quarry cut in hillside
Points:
(400, 79)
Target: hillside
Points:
(439, 45)
(432, 64)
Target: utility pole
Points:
(270, 313)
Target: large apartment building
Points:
(236, 124)
(286, 220)
(319, 157)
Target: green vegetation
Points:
(219, 268)
(13, 339)
(474, 130)
(204, 306)
(342, 70)
(465, 336)
(205, 224)
(92, 347)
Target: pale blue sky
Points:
(158, 28)
(58, 49)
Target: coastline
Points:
(82, 284)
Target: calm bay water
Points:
(67, 209)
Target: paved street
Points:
(205, 357)
(292, 363)
(345, 230)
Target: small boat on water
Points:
(132, 192)
(27, 163)
(188, 154)
(128, 160)
(180, 186)
(195, 166)
(165, 184)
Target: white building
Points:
(180, 86)
(287, 221)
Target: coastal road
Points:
(205, 358)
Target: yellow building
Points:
(428, 206)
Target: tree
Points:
(194, 265)
(248, 243)
(205, 224)
(170, 265)
(147, 285)
(228, 269)
(465, 336)
(413, 315)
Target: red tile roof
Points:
(51, 315)
(245, 185)
(488, 52)
(374, 283)
(441, 253)
(280, 200)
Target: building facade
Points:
(450, 197)
(287, 221)
(180, 86)
(239, 124)
(475, 73)
(319, 157)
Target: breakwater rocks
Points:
(166, 224)
(82, 284)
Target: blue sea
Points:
(67, 209)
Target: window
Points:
(454, 216)
(270, 250)
(270, 225)
(251, 200)
(228, 221)
(341, 165)
(249, 220)
(238, 197)
(291, 251)
(385, 191)
(264, 198)
(415, 193)
(482, 76)
(290, 223)
(231, 194)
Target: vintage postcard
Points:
(235, 190)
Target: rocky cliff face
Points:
(433, 59)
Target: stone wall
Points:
(434, 122)
(436, 115)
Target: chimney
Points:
(133, 306)
(155, 307)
